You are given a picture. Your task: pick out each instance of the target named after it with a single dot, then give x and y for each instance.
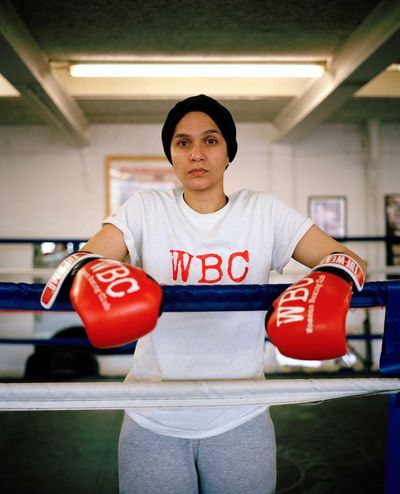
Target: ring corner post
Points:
(392, 470)
(390, 367)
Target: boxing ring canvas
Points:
(126, 174)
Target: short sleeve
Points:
(129, 219)
(289, 226)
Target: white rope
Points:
(117, 395)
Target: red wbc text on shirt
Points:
(213, 266)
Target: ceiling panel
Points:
(149, 111)
(16, 111)
(80, 30)
(127, 30)
(361, 110)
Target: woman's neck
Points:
(205, 203)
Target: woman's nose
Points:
(197, 153)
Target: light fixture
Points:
(196, 70)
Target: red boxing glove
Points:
(308, 319)
(117, 302)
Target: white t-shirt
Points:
(239, 244)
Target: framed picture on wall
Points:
(392, 220)
(329, 213)
(127, 174)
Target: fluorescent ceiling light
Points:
(195, 70)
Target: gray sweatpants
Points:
(239, 461)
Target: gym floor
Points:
(337, 446)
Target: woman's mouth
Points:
(198, 172)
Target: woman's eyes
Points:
(183, 143)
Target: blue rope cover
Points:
(192, 298)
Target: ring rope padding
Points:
(178, 394)
(191, 298)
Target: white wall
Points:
(49, 189)
(15, 324)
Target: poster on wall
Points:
(128, 174)
(392, 220)
(329, 214)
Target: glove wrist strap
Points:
(53, 286)
(346, 263)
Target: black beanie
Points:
(205, 104)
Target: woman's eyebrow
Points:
(181, 135)
(209, 131)
(212, 131)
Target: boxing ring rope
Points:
(193, 298)
(190, 298)
(60, 396)
(167, 394)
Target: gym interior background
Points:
(314, 142)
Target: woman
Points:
(199, 235)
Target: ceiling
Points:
(356, 40)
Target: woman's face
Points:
(199, 153)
